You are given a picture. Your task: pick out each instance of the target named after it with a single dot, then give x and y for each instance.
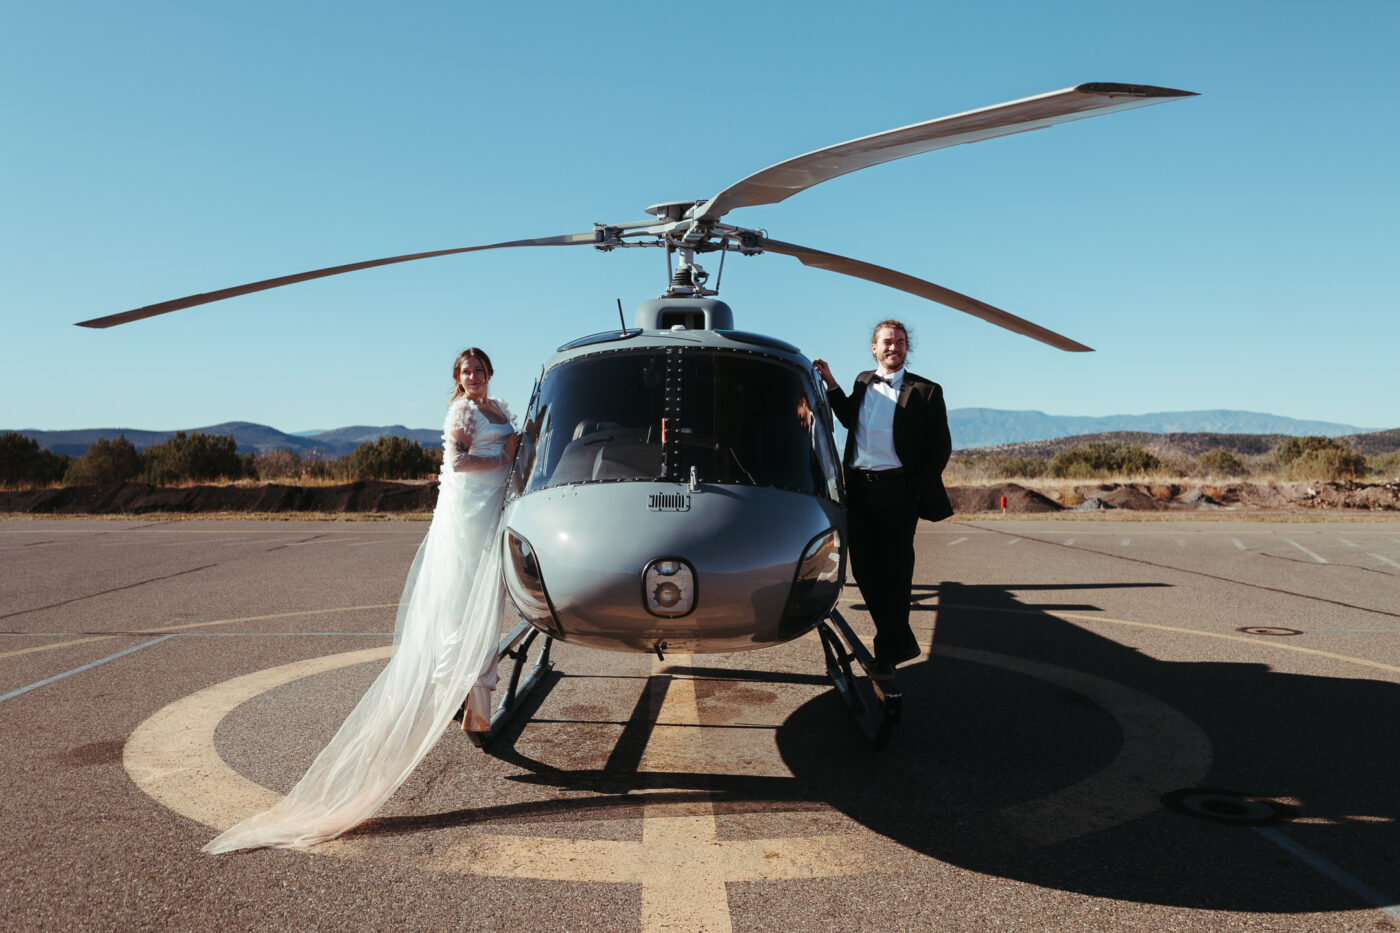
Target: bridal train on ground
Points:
(445, 639)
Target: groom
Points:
(896, 449)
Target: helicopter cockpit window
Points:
(732, 417)
(751, 420)
(598, 418)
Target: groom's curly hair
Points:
(897, 325)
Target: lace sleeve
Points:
(463, 421)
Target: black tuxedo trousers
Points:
(881, 522)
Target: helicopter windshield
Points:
(732, 416)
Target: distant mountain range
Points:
(971, 427)
(251, 438)
(989, 427)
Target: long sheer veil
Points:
(447, 628)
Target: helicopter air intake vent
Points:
(669, 502)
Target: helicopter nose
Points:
(668, 587)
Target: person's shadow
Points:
(1037, 750)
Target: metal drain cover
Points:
(1227, 806)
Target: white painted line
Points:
(956, 541)
(1384, 902)
(1069, 541)
(1013, 541)
(78, 670)
(1126, 542)
(1385, 560)
(1320, 560)
(1239, 544)
(1348, 543)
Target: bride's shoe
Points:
(477, 715)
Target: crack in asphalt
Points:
(115, 589)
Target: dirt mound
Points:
(1158, 497)
(1353, 496)
(137, 498)
(1132, 496)
(988, 499)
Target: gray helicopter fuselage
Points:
(675, 490)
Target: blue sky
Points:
(1235, 250)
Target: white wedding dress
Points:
(445, 640)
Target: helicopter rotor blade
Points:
(783, 180)
(908, 283)
(164, 307)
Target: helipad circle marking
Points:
(1161, 748)
(171, 756)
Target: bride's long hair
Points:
(468, 353)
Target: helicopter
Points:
(677, 486)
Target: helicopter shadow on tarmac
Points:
(999, 723)
(985, 746)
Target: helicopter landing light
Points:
(525, 582)
(668, 587)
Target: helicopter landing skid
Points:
(523, 635)
(841, 646)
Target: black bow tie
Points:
(876, 377)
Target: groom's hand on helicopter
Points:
(824, 371)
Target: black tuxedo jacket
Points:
(921, 437)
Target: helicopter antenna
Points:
(620, 318)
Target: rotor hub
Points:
(674, 210)
(688, 281)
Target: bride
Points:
(445, 638)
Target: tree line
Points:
(197, 457)
(1296, 458)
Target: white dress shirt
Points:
(875, 427)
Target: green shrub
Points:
(1099, 460)
(278, 464)
(1295, 447)
(390, 458)
(24, 463)
(1219, 462)
(1327, 464)
(1386, 467)
(1318, 458)
(193, 457)
(105, 461)
(1016, 468)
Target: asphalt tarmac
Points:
(1116, 725)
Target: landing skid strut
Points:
(523, 635)
(841, 646)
